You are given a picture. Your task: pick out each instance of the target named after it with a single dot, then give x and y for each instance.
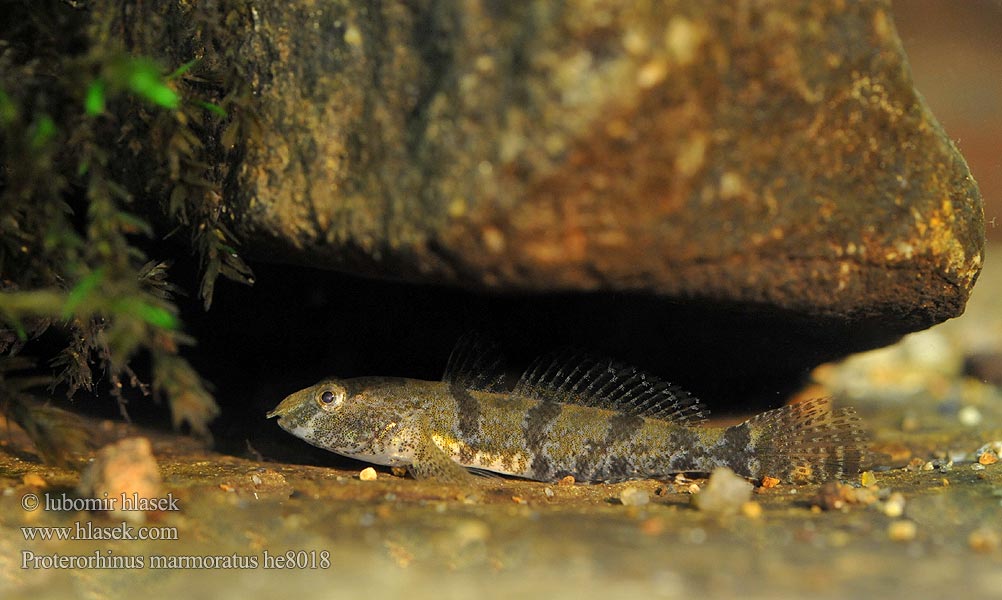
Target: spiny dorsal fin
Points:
(476, 363)
(575, 378)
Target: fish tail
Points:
(808, 441)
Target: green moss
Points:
(71, 256)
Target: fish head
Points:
(343, 416)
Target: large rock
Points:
(769, 157)
(754, 152)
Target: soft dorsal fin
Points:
(575, 378)
(476, 363)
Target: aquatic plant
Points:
(75, 216)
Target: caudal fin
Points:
(808, 442)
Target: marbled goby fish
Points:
(597, 420)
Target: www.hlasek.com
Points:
(89, 531)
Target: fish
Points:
(595, 419)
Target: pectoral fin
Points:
(430, 462)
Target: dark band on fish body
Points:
(536, 429)
(621, 430)
(735, 450)
(468, 415)
(687, 452)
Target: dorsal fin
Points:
(476, 363)
(576, 378)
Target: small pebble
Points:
(548, 492)
(867, 478)
(902, 530)
(33, 480)
(568, 480)
(988, 457)
(940, 463)
(969, 416)
(692, 488)
(368, 474)
(995, 447)
(652, 526)
(978, 467)
(984, 540)
(957, 456)
(352, 36)
(894, 507)
(751, 509)
(769, 482)
(123, 467)
(834, 496)
(634, 496)
(724, 494)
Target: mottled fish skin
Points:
(438, 428)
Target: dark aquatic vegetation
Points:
(568, 414)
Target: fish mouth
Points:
(284, 407)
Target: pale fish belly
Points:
(384, 449)
(508, 463)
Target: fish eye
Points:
(331, 398)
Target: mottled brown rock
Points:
(771, 153)
(768, 156)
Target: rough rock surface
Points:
(771, 157)
(766, 153)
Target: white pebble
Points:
(969, 416)
(902, 530)
(724, 493)
(894, 507)
(368, 474)
(634, 496)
